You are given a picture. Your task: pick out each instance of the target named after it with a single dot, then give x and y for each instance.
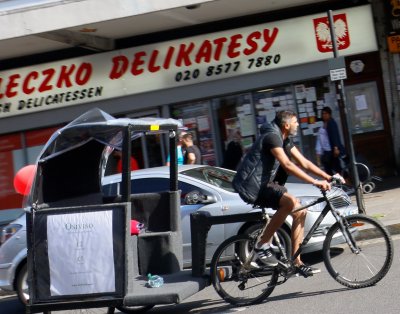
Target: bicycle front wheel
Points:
(238, 280)
(369, 260)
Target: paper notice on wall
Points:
(311, 94)
(80, 251)
(246, 108)
(203, 124)
(361, 102)
(300, 91)
(247, 125)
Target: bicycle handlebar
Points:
(337, 179)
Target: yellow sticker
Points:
(154, 127)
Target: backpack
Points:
(247, 181)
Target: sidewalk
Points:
(383, 203)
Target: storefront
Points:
(222, 85)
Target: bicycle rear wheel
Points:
(236, 283)
(369, 263)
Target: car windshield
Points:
(218, 177)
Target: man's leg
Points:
(286, 205)
(298, 231)
(297, 237)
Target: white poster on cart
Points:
(80, 250)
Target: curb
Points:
(394, 229)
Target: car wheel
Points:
(22, 284)
(284, 237)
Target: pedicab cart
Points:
(81, 254)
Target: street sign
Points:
(338, 74)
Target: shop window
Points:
(236, 126)
(311, 97)
(16, 151)
(306, 99)
(268, 101)
(364, 107)
(196, 118)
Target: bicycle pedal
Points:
(302, 275)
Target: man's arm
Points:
(191, 158)
(293, 169)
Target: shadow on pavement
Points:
(387, 183)
(11, 305)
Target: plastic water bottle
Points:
(155, 281)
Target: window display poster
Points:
(231, 125)
(203, 124)
(80, 251)
(361, 102)
(247, 125)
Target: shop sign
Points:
(394, 43)
(184, 61)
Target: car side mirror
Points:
(195, 197)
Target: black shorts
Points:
(270, 194)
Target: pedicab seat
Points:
(158, 250)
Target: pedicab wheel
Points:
(135, 309)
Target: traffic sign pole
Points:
(339, 75)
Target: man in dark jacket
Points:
(261, 177)
(330, 156)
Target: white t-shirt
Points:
(322, 144)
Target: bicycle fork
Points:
(345, 228)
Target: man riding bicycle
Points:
(260, 181)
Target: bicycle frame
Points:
(328, 208)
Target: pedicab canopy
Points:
(77, 242)
(70, 163)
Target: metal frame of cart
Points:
(80, 250)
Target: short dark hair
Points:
(284, 116)
(327, 110)
(188, 136)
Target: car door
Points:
(216, 233)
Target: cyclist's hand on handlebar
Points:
(322, 184)
(337, 179)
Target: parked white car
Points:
(13, 267)
(204, 188)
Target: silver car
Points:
(13, 269)
(204, 188)
(209, 189)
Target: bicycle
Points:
(365, 176)
(357, 252)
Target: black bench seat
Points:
(176, 288)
